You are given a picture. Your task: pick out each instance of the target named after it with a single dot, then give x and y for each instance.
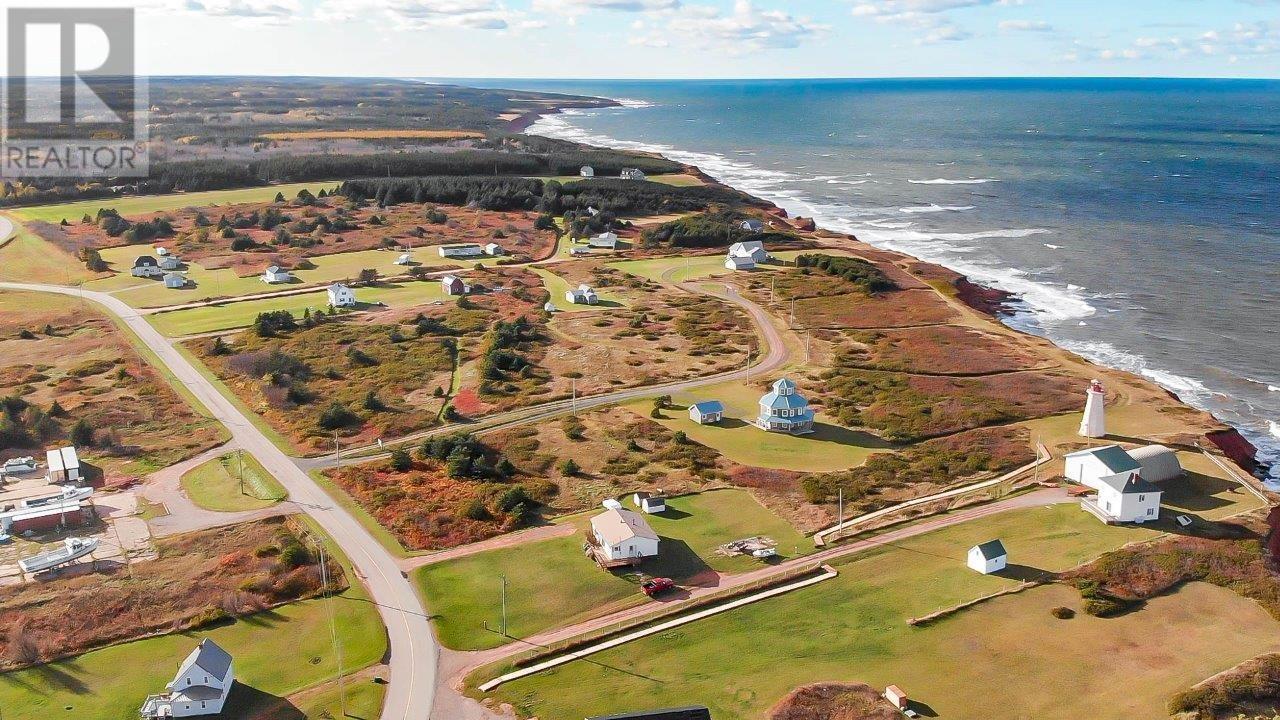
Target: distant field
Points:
(27, 258)
(277, 653)
(550, 583)
(558, 286)
(830, 447)
(373, 134)
(138, 204)
(205, 284)
(854, 629)
(696, 267)
(676, 179)
(232, 315)
(216, 485)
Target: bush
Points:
(82, 433)
(1063, 613)
(400, 460)
(474, 509)
(338, 416)
(294, 555)
(569, 468)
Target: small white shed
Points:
(64, 465)
(707, 412)
(989, 557)
(650, 504)
(174, 280)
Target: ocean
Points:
(1137, 221)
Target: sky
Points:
(709, 38)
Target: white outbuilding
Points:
(1128, 499)
(1091, 466)
(707, 412)
(175, 281)
(650, 504)
(624, 535)
(582, 295)
(494, 249)
(1159, 463)
(200, 687)
(988, 557)
(341, 296)
(586, 171)
(275, 275)
(64, 465)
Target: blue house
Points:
(782, 410)
(707, 412)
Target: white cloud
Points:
(419, 14)
(274, 12)
(746, 28)
(1025, 26)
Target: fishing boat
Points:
(67, 494)
(72, 549)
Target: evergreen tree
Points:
(82, 433)
(400, 460)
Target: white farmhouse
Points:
(170, 262)
(746, 255)
(468, 250)
(146, 266)
(989, 557)
(582, 295)
(707, 412)
(586, 171)
(1129, 499)
(275, 275)
(605, 240)
(341, 296)
(200, 688)
(624, 535)
(1090, 466)
(64, 465)
(631, 174)
(175, 281)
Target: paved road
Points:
(414, 653)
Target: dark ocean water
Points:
(1138, 220)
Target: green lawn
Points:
(134, 205)
(558, 286)
(829, 447)
(1006, 658)
(204, 284)
(27, 258)
(231, 315)
(550, 583)
(277, 653)
(216, 485)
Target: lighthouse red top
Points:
(1095, 386)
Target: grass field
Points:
(138, 204)
(677, 179)
(698, 266)
(1006, 658)
(204, 284)
(216, 485)
(277, 653)
(830, 447)
(558, 286)
(27, 258)
(550, 583)
(241, 314)
(373, 134)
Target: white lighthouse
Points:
(1094, 425)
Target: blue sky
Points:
(712, 38)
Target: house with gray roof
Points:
(783, 410)
(988, 557)
(200, 687)
(1124, 494)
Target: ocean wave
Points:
(935, 208)
(944, 181)
(1052, 247)
(848, 182)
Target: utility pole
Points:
(337, 453)
(747, 370)
(240, 459)
(333, 626)
(504, 606)
(773, 282)
(840, 512)
(574, 400)
(792, 323)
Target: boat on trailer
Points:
(72, 549)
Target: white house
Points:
(1125, 499)
(631, 174)
(650, 504)
(201, 686)
(469, 250)
(605, 240)
(274, 275)
(1090, 466)
(174, 280)
(782, 410)
(64, 465)
(582, 295)
(707, 412)
(576, 250)
(988, 557)
(170, 262)
(624, 535)
(146, 266)
(453, 285)
(341, 296)
(739, 263)
(587, 171)
(752, 250)
(752, 225)
(161, 251)
(1159, 463)
(494, 249)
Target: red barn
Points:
(43, 517)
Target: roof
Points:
(894, 689)
(62, 459)
(746, 248)
(753, 223)
(208, 657)
(196, 693)
(784, 384)
(709, 406)
(615, 526)
(273, 268)
(790, 402)
(144, 261)
(692, 712)
(338, 287)
(450, 279)
(1129, 484)
(990, 549)
(1112, 456)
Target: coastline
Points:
(1002, 305)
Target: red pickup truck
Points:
(653, 586)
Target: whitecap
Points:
(1053, 247)
(944, 181)
(935, 208)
